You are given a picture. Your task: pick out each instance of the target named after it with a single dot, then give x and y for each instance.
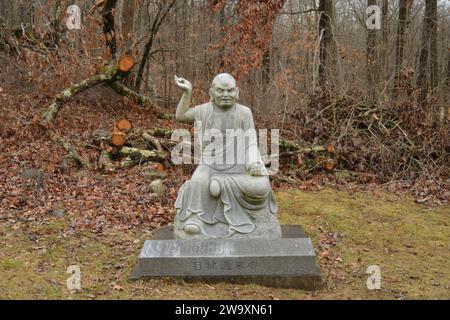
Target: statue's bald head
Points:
(223, 91)
(222, 78)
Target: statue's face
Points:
(224, 92)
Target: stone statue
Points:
(224, 200)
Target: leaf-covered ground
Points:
(350, 230)
(54, 214)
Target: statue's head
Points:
(223, 91)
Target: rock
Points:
(157, 187)
(153, 196)
(59, 212)
(31, 174)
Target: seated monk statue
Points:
(231, 198)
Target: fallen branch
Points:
(74, 154)
(105, 163)
(292, 147)
(152, 140)
(111, 73)
(143, 155)
(127, 92)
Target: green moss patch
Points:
(351, 231)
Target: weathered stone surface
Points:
(282, 262)
(60, 212)
(157, 187)
(229, 195)
(287, 231)
(32, 174)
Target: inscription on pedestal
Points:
(282, 262)
(188, 248)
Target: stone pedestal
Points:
(287, 262)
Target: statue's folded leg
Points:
(195, 205)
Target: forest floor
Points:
(350, 231)
(54, 215)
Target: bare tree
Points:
(403, 17)
(108, 25)
(371, 56)
(384, 36)
(426, 54)
(161, 14)
(326, 60)
(434, 72)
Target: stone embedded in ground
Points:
(157, 187)
(32, 174)
(282, 262)
(59, 212)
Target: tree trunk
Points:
(222, 35)
(108, 26)
(266, 64)
(384, 55)
(403, 16)
(11, 14)
(434, 70)
(371, 57)
(127, 24)
(425, 54)
(326, 60)
(447, 90)
(159, 18)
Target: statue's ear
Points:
(211, 94)
(237, 94)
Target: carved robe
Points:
(242, 196)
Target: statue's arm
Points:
(254, 165)
(184, 113)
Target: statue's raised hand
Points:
(184, 84)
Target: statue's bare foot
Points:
(192, 229)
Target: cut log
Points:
(126, 63)
(143, 155)
(128, 162)
(330, 164)
(123, 125)
(118, 138)
(330, 148)
(151, 171)
(160, 168)
(291, 147)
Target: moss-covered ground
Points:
(351, 231)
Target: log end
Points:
(126, 63)
(330, 165)
(118, 138)
(330, 148)
(124, 125)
